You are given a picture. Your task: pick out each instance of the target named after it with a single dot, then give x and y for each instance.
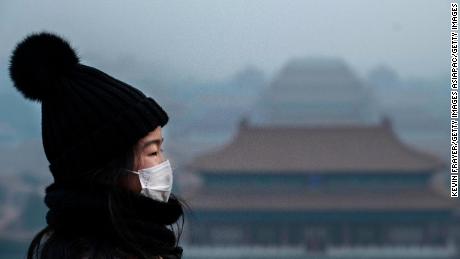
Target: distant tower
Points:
(316, 91)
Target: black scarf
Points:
(107, 212)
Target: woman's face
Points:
(149, 153)
(148, 150)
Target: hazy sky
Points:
(214, 39)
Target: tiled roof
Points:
(400, 201)
(316, 149)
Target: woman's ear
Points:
(130, 181)
(137, 158)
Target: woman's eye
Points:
(155, 153)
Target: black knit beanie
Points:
(88, 117)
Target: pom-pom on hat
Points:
(88, 117)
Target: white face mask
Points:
(156, 181)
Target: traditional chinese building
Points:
(318, 187)
(316, 90)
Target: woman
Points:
(103, 139)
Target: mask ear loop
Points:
(137, 173)
(132, 171)
(166, 160)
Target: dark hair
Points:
(68, 242)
